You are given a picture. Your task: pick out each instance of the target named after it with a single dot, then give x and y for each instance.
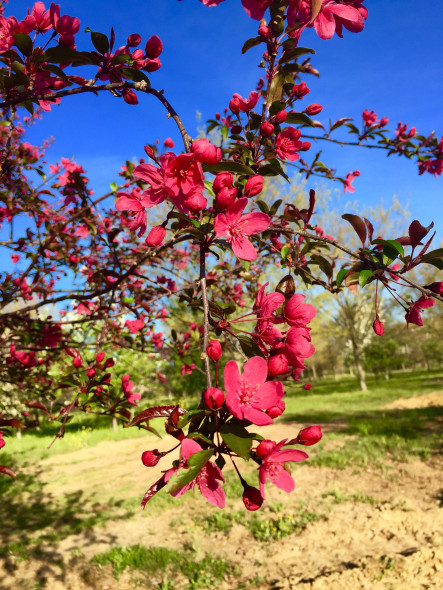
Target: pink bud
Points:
(436, 287)
(307, 386)
(100, 356)
(234, 105)
(133, 40)
(153, 47)
(306, 145)
(378, 327)
(264, 31)
(309, 436)
(313, 109)
(280, 117)
(254, 185)
(77, 362)
(109, 363)
(151, 458)
(129, 96)
(149, 151)
(266, 129)
(214, 350)
(214, 398)
(277, 410)
(265, 448)
(156, 236)
(206, 152)
(152, 65)
(196, 202)
(90, 374)
(222, 180)
(277, 365)
(168, 143)
(226, 197)
(252, 499)
(236, 129)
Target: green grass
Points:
(200, 573)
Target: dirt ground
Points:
(394, 540)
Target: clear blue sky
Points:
(394, 66)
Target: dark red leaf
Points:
(422, 252)
(12, 422)
(124, 412)
(404, 240)
(370, 228)
(156, 412)
(286, 286)
(7, 471)
(358, 224)
(311, 203)
(156, 487)
(35, 403)
(417, 232)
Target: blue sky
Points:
(394, 66)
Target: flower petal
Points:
(255, 371)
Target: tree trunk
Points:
(114, 425)
(314, 371)
(18, 434)
(360, 372)
(351, 371)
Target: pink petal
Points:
(243, 248)
(188, 448)
(235, 210)
(256, 416)
(287, 455)
(254, 223)
(269, 394)
(221, 225)
(255, 371)
(149, 174)
(325, 24)
(213, 491)
(282, 479)
(127, 203)
(253, 9)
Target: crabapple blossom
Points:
(272, 466)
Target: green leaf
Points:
(294, 53)
(276, 107)
(249, 347)
(340, 276)
(299, 119)
(185, 475)
(24, 43)
(100, 42)
(364, 277)
(113, 186)
(237, 438)
(235, 167)
(276, 88)
(134, 75)
(323, 263)
(435, 258)
(251, 43)
(389, 246)
(284, 252)
(57, 71)
(200, 436)
(188, 416)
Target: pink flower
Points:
(236, 227)
(211, 2)
(287, 144)
(238, 104)
(7, 39)
(134, 204)
(272, 466)
(131, 396)
(183, 174)
(134, 326)
(278, 365)
(157, 192)
(413, 315)
(187, 369)
(298, 346)
(256, 8)
(369, 117)
(222, 180)
(168, 143)
(2, 441)
(348, 180)
(208, 480)
(206, 152)
(249, 395)
(313, 109)
(297, 313)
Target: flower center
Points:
(247, 393)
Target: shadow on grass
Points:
(33, 522)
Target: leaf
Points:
(294, 52)
(340, 276)
(7, 471)
(339, 123)
(12, 422)
(364, 277)
(156, 487)
(57, 71)
(358, 224)
(299, 119)
(23, 43)
(251, 43)
(155, 412)
(435, 258)
(417, 232)
(249, 347)
(276, 88)
(369, 227)
(185, 475)
(100, 42)
(134, 75)
(199, 435)
(61, 54)
(391, 248)
(235, 167)
(35, 403)
(286, 286)
(188, 416)
(323, 263)
(237, 438)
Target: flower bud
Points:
(214, 350)
(378, 327)
(264, 31)
(150, 151)
(152, 65)
(214, 398)
(133, 40)
(277, 410)
(265, 448)
(206, 152)
(222, 180)
(309, 436)
(168, 143)
(129, 96)
(313, 109)
(266, 129)
(153, 47)
(236, 129)
(278, 365)
(196, 202)
(254, 185)
(252, 499)
(100, 356)
(234, 105)
(77, 362)
(155, 236)
(151, 458)
(280, 117)
(226, 197)
(109, 363)
(307, 386)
